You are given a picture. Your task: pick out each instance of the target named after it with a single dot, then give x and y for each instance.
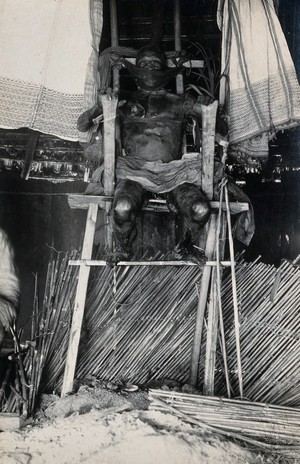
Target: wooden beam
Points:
(170, 63)
(177, 37)
(209, 113)
(80, 298)
(100, 262)
(202, 302)
(109, 104)
(79, 201)
(215, 309)
(114, 42)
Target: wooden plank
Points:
(100, 262)
(109, 104)
(209, 113)
(170, 64)
(9, 421)
(80, 201)
(80, 298)
(205, 281)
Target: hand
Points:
(85, 121)
(116, 61)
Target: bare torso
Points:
(152, 126)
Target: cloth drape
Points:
(159, 177)
(48, 49)
(262, 90)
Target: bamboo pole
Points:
(211, 338)
(205, 281)
(114, 42)
(220, 249)
(234, 293)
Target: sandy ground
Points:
(100, 426)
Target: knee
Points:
(123, 209)
(200, 211)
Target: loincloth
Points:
(159, 177)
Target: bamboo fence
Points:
(268, 301)
(139, 324)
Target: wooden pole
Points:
(109, 104)
(205, 281)
(177, 35)
(80, 298)
(114, 42)
(209, 113)
(234, 296)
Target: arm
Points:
(193, 107)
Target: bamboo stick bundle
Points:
(45, 324)
(269, 426)
(55, 346)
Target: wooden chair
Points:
(94, 203)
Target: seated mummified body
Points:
(152, 123)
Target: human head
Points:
(148, 53)
(150, 71)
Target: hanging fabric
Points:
(262, 90)
(48, 48)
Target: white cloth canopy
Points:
(47, 51)
(263, 93)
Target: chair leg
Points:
(80, 298)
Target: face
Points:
(150, 62)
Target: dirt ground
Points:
(105, 424)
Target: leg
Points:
(193, 206)
(128, 201)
